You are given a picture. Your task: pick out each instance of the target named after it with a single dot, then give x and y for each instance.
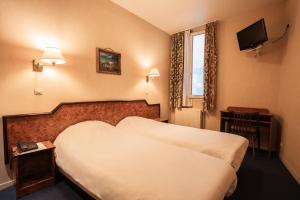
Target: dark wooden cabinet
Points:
(33, 170)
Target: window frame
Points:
(190, 57)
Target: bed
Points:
(110, 163)
(228, 147)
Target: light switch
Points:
(38, 91)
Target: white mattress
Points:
(115, 166)
(229, 147)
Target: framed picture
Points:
(108, 61)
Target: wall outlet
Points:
(38, 91)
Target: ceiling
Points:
(173, 16)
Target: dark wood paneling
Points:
(47, 126)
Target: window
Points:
(197, 64)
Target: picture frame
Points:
(108, 61)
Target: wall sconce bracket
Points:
(152, 73)
(50, 57)
(38, 66)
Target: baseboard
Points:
(291, 169)
(7, 184)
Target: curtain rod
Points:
(200, 25)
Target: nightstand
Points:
(34, 169)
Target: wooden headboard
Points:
(47, 126)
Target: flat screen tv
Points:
(253, 35)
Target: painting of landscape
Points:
(108, 62)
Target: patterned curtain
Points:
(210, 67)
(177, 70)
(186, 101)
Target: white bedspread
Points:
(229, 147)
(115, 166)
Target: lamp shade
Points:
(52, 55)
(154, 73)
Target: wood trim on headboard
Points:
(47, 126)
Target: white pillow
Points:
(84, 133)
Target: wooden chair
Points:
(247, 125)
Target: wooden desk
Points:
(266, 120)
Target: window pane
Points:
(198, 65)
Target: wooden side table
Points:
(35, 169)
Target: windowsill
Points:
(196, 97)
(187, 107)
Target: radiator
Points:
(190, 117)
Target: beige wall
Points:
(243, 79)
(77, 27)
(289, 93)
(270, 81)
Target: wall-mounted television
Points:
(253, 35)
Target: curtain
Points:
(186, 101)
(210, 67)
(177, 71)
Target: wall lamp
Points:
(50, 57)
(152, 73)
